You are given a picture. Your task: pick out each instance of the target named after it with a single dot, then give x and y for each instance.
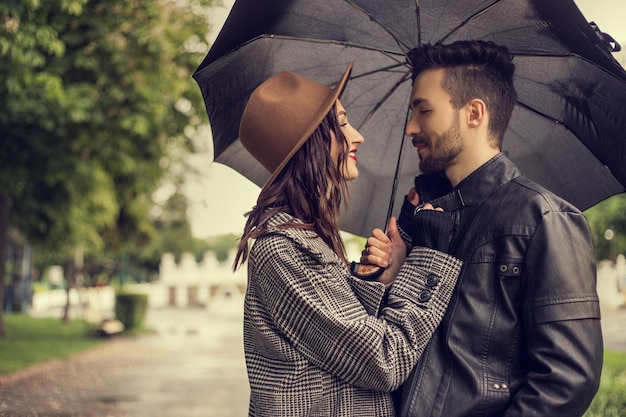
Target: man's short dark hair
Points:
(473, 69)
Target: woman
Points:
(317, 340)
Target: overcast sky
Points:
(221, 196)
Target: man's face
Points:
(435, 125)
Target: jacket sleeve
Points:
(562, 320)
(313, 305)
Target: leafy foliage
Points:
(222, 245)
(94, 96)
(93, 93)
(609, 215)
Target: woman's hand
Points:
(386, 251)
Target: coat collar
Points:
(307, 239)
(480, 184)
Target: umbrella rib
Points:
(571, 55)
(401, 44)
(558, 122)
(464, 22)
(315, 40)
(534, 110)
(389, 68)
(382, 100)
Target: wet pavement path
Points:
(193, 366)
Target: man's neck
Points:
(468, 162)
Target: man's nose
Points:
(412, 129)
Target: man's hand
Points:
(432, 228)
(405, 220)
(428, 226)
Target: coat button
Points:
(424, 296)
(432, 280)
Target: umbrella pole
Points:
(396, 175)
(372, 272)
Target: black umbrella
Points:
(567, 132)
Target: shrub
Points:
(130, 309)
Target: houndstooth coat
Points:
(316, 343)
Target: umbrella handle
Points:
(366, 272)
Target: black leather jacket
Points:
(522, 334)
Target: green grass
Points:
(29, 341)
(610, 401)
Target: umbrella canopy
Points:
(568, 131)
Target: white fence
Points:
(196, 285)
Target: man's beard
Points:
(449, 146)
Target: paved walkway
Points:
(192, 367)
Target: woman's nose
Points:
(356, 137)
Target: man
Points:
(521, 336)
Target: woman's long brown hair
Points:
(310, 188)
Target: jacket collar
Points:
(480, 184)
(307, 239)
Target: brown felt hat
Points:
(282, 113)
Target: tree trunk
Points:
(70, 277)
(4, 250)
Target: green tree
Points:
(222, 245)
(173, 231)
(610, 214)
(93, 95)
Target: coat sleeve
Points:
(562, 321)
(314, 307)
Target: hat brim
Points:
(316, 121)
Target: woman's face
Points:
(353, 140)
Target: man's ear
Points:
(476, 112)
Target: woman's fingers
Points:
(377, 249)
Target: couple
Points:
(487, 305)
